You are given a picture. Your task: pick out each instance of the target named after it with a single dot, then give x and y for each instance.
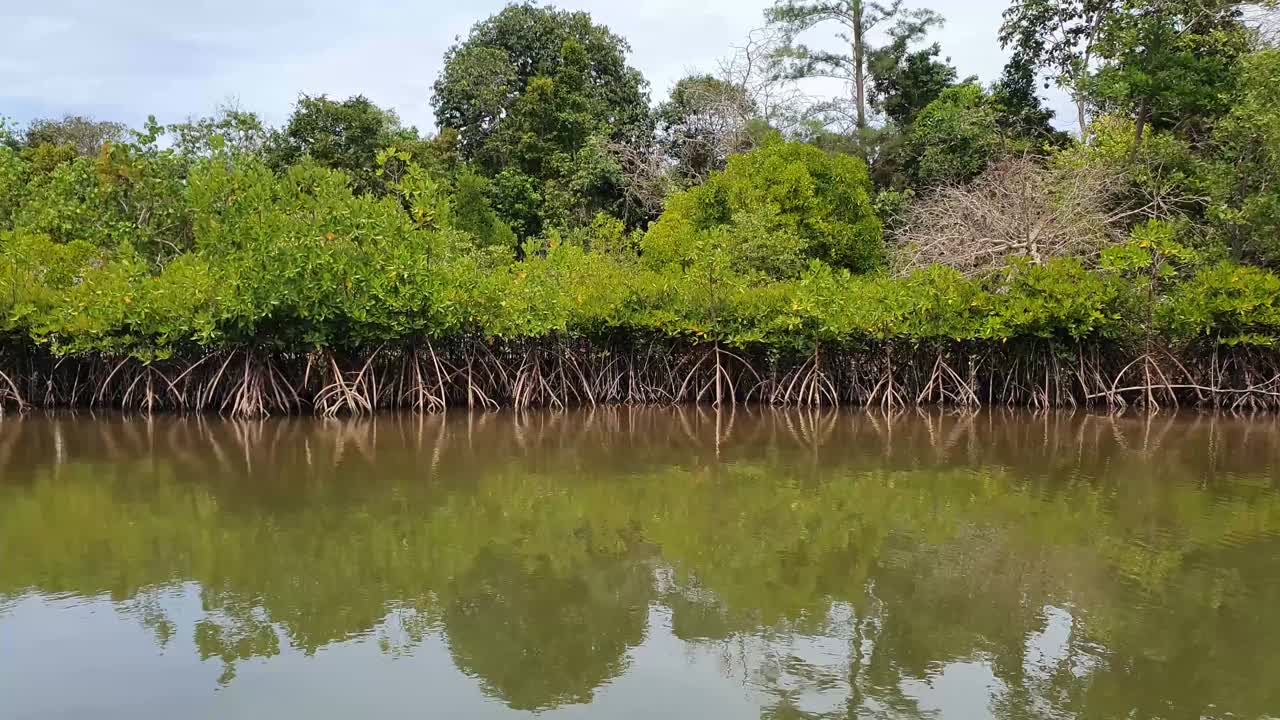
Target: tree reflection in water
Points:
(837, 564)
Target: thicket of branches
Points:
(1017, 208)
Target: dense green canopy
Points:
(513, 238)
(533, 94)
(772, 210)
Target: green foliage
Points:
(1021, 110)
(1057, 300)
(1056, 38)
(1168, 63)
(904, 82)
(533, 93)
(1152, 254)
(9, 135)
(35, 274)
(1165, 64)
(343, 135)
(1163, 174)
(230, 130)
(83, 135)
(346, 230)
(14, 171)
(127, 194)
(1245, 205)
(609, 235)
(937, 304)
(768, 253)
(770, 211)
(954, 138)
(473, 213)
(485, 77)
(1226, 304)
(302, 262)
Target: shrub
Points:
(954, 138)
(1225, 304)
(771, 211)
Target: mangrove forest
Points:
(564, 238)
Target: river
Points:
(639, 563)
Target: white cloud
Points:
(126, 60)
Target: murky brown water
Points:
(641, 563)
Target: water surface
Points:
(639, 563)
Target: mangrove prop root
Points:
(9, 393)
(432, 376)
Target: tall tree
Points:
(904, 81)
(1022, 113)
(1168, 63)
(855, 20)
(341, 134)
(535, 94)
(1059, 36)
(486, 75)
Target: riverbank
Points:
(288, 292)
(556, 373)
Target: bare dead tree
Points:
(707, 121)
(753, 68)
(1017, 208)
(647, 173)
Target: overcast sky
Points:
(125, 60)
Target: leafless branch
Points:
(1018, 208)
(648, 175)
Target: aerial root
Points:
(430, 377)
(9, 393)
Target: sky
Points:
(124, 61)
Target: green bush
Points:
(296, 261)
(954, 138)
(772, 210)
(1226, 304)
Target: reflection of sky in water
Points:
(111, 655)
(961, 690)
(114, 650)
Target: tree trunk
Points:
(859, 72)
(1081, 116)
(1139, 125)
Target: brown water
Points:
(641, 563)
